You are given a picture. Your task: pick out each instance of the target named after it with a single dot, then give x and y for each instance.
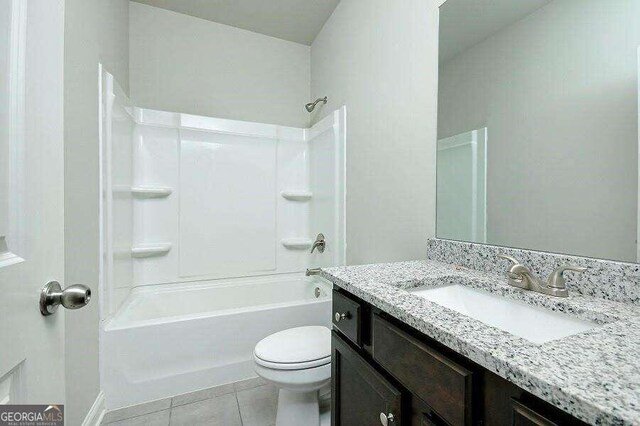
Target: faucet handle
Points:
(515, 270)
(510, 258)
(556, 279)
(319, 243)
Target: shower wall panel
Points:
(117, 127)
(225, 215)
(156, 165)
(227, 204)
(326, 141)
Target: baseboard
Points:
(96, 413)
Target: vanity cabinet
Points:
(347, 317)
(387, 373)
(525, 416)
(504, 403)
(361, 395)
(434, 378)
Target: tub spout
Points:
(313, 271)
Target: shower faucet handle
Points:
(319, 243)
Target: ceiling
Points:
(465, 23)
(299, 21)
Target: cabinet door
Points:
(361, 396)
(425, 372)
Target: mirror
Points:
(538, 125)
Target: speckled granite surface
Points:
(594, 376)
(606, 279)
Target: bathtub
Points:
(171, 339)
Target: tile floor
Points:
(251, 402)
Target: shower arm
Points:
(312, 105)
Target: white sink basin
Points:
(532, 323)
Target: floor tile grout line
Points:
(172, 406)
(136, 416)
(239, 411)
(140, 405)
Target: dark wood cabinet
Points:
(442, 383)
(360, 394)
(504, 403)
(382, 366)
(347, 317)
(525, 416)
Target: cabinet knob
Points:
(385, 419)
(339, 317)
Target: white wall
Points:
(95, 30)
(379, 58)
(184, 64)
(558, 93)
(113, 38)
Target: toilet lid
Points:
(302, 347)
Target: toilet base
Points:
(298, 408)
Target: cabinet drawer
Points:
(440, 382)
(526, 416)
(347, 317)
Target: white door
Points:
(31, 199)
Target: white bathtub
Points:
(171, 339)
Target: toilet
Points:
(298, 362)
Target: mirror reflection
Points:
(538, 125)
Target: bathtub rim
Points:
(116, 323)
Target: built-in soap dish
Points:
(297, 195)
(151, 191)
(297, 243)
(150, 250)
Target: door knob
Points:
(73, 297)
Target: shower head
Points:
(312, 105)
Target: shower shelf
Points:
(151, 191)
(150, 250)
(297, 243)
(297, 195)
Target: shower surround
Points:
(193, 207)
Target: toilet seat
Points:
(293, 366)
(297, 348)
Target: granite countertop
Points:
(595, 375)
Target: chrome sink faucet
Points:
(520, 276)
